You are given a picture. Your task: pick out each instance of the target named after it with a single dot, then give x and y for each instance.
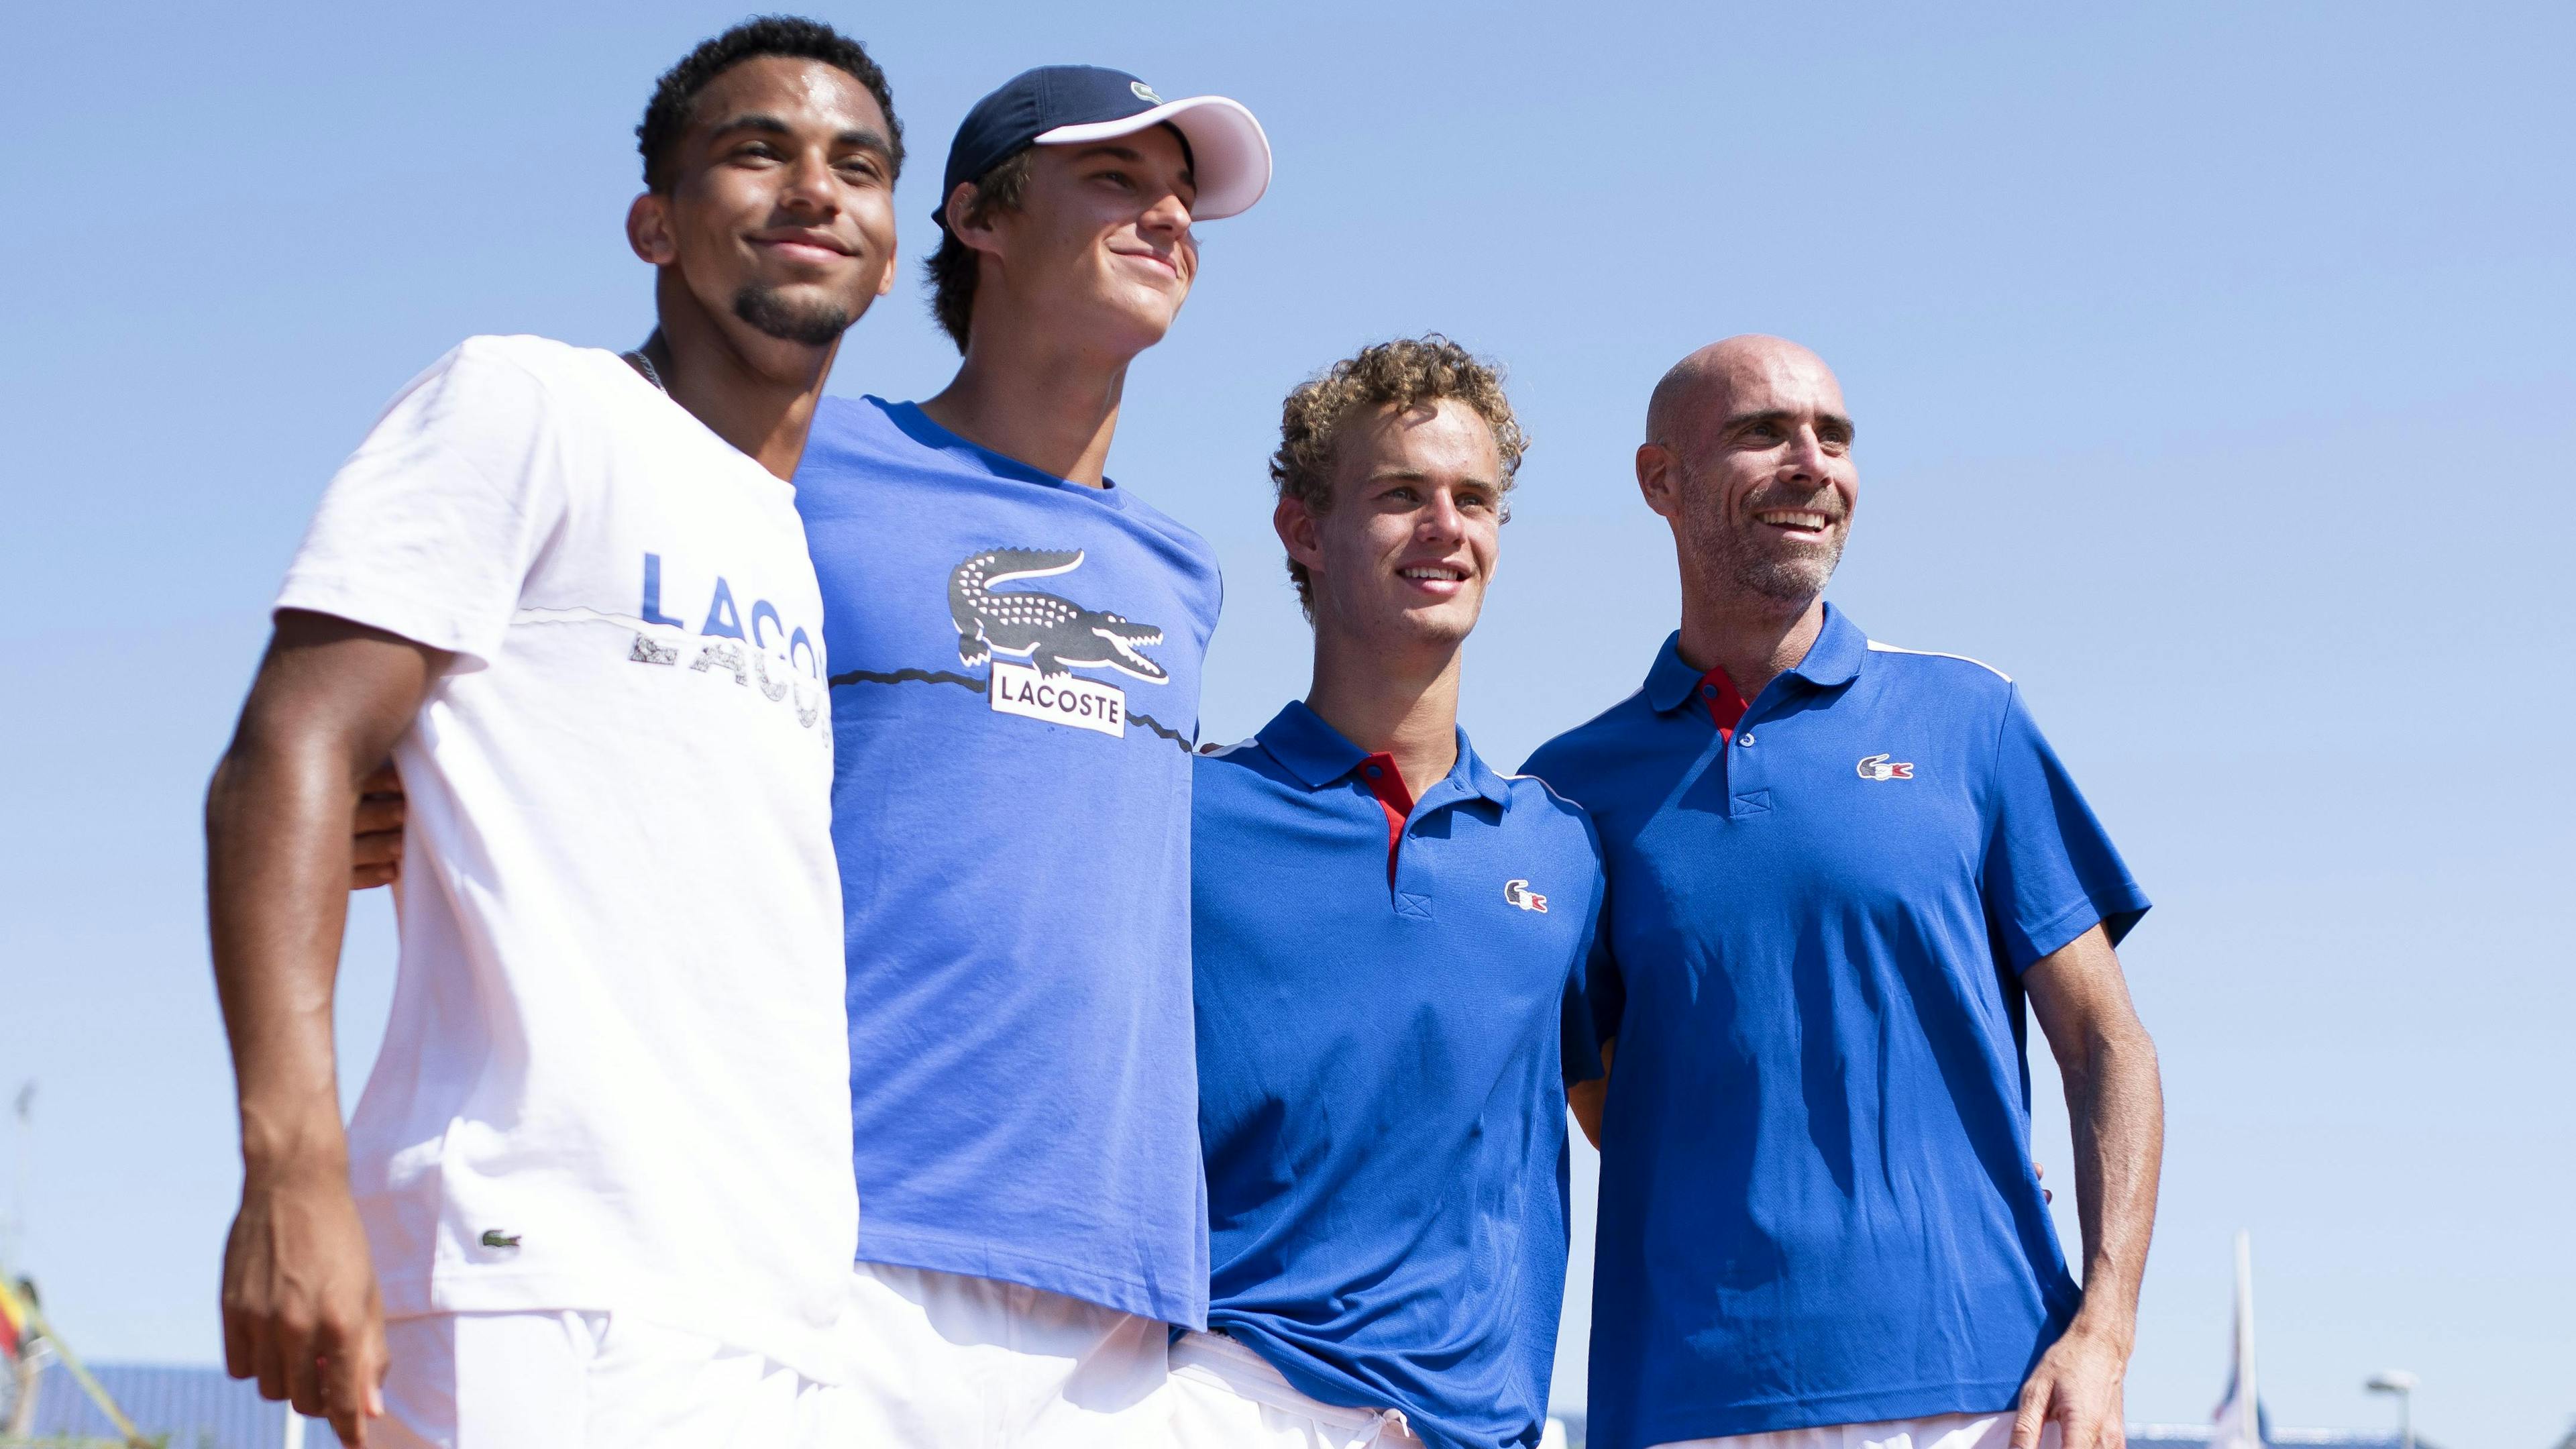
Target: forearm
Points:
(2115, 1105)
(277, 871)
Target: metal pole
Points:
(2406, 1419)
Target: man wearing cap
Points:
(1388, 936)
(1838, 872)
(1016, 644)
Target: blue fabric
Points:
(1016, 884)
(1381, 1086)
(1817, 1199)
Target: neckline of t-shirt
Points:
(921, 428)
(663, 396)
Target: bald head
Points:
(1708, 386)
(1748, 456)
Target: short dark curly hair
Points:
(1403, 374)
(951, 269)
(666, 117)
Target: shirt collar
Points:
(1833, 659)
(1320, 755)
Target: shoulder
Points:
(538, 361)
(1184, 542)
(1228, 785)
(1956, 679)
(1577, 752)
(1934, 663)
(1538, 806)
(846, 428)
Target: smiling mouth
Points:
(1804, 522)
(1438, 573)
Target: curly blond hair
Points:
(1403, 374)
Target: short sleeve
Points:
(2051, 873)
(1582, 1049)
(430, 528)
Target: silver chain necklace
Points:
(644, 365)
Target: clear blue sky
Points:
(2213, 377)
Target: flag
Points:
(13, 1323)
(2240, 1422)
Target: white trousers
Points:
(1225, 1396)
(1941, 1431)
(586, 1381)
(951, 1362)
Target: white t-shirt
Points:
(617, 1073)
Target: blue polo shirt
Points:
(1817, 1199)
(1014, 702)
(1381, 1085)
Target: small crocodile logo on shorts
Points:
(495, 1238)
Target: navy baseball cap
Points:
(1068, 105)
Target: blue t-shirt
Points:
(1817, 1199)
(1381, 1087)
(1015, 696)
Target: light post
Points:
(2402, 1384)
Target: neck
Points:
(759, 397)
(1385, 700)
(1053, 407)
(1750, 636)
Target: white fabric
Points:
(588, 1381)
(1941, 1431)
(1225, 1396)
(617, 1045)
(945, 1361)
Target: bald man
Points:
(1838, 870)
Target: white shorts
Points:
(586, 1381)
(1225, 1396)
(1941, 1431)
(946, 1361)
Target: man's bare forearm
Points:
(2115, 1103)
(2115, 1107)
(328, 703)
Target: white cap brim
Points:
(1229, 154)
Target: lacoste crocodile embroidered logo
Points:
(1518, 893)
(1879, 767)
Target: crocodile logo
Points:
(1055, 635)
(1880, 767)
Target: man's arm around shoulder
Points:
(300, 1307)
(2115, 1103)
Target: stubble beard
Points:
(813, 324)
(1748, 568)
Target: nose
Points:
(1169, 216)
(1806, 457)
(810, 188)
(1441, 522)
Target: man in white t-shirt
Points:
(596, 1190)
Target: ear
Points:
(1659, 478)
(893, 265)
(1299, 533)
(975, 234)
(649, 230)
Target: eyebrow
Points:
(1824, 421)
(765, 124)
(1129, 154)
(1416, 475)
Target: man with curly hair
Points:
(1388, 940)
(594, 1192)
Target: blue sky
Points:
(2212, 375)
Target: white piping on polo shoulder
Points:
(1877, 648)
